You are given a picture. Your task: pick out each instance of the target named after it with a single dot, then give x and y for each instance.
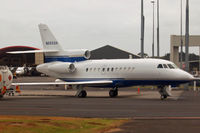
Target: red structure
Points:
(17, 59)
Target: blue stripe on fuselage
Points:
(63, 59)
(127, 83)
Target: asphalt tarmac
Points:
(146, 112)
(124, 106)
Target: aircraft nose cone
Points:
(188, 76)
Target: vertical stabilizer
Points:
(54, 52)
(48, 39)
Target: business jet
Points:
(73, 68)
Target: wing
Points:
(65, 83)
(32, 51)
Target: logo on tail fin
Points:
(52, 43)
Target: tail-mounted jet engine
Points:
(62, 67)
(78, 53)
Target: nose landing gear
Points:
(164, 92)
(1, 96)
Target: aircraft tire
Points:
(163, 97)
(82, 94)
(1, 96)
(113, 93)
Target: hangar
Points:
(110, 52)
(16, 60)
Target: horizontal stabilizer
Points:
(33, 51)
(65, 83)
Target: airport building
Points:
(175, 44)
(110, 52)
(16, 60)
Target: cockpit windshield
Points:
(170, 66)
(160, 66)
(175, 66)
(167, 66)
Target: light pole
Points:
(199, 61)
(187, 37)
(142, 29)
(181, 34)
(153, 3)
(158, 30)
(187, 41)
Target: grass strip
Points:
(37, 124)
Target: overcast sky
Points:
(91, 24)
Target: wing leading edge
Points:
(32, 51)
(65, 83)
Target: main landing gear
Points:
(164, 92)
(113, 92)
(81, 93)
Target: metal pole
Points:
(142, 30)
(199, 62)
(181, 34)
(187, 42)
(187, 37)
(153, 2)
(158, 30)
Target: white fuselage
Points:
(123, 72)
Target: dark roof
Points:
(110, 52)
(14, 48)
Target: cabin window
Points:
(99, 69)
(112, 69)
(160, 66)
(103, 69)
(165, 66)
(170, 66)
(124, 68)
(86, 69)
(108, 69)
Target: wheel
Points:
(113, 93)
(163, 97)
(82, 94)
(1, 96)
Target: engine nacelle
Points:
(62, 67)
(79, 53)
